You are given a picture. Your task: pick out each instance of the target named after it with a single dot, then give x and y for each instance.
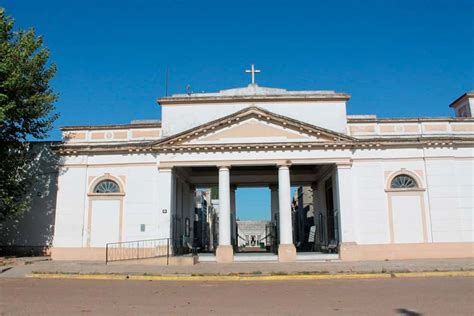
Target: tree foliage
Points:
(27, 111)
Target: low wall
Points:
(355, 252)
(76, 253)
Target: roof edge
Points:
(114, 126)
(410, 119)
(469, 94)
(260, 98)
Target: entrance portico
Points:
(278, 176)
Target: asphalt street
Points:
(396, 296)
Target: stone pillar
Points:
(345, 207)
(286, 249)
(166, 203)
(224, 252)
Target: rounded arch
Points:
(404, 172)
(107, 177)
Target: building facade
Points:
(381, 188)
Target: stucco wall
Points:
(330, 115)
(447, 196)
(139, 176)
(444, 176)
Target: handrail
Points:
(138, 249)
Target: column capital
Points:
(165, 169)
(283, 163)
(165, 165)
(223, 166)
(344, 165)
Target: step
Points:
(207, 257)
(316, 256)
(255, 257)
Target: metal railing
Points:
(139, 249)
(328, 232)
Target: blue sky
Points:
(396, 58)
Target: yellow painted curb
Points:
(252, 278)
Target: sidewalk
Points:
(247, 268)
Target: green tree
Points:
(27, 111)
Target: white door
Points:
(407, 219)
(105, 222)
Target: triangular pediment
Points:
(251, 126)
(253, 130)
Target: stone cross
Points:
(253, 71)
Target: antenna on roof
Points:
(188, 90)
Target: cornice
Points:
(147, 147)
(252, 98)
(107, 127)
(410, 120)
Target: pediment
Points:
(253, 130)
(251, 126)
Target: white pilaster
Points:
(224, 252)
(286, 249)
(346, 210)
(284, 192)
(224, 206)
(166, 201)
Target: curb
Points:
(291, 277)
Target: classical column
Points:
(286, 249)
(224, 252)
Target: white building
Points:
(384, 188)
(253, 234)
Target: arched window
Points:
(403, 181)
(107, 186)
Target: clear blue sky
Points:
(396, 58)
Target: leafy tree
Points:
(26, 111)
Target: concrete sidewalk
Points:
(254, 268)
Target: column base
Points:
(224, 254)
(286, 253)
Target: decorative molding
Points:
(177, 142)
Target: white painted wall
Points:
(446, 174)
(330, 115)
(451, 198)
(142, 204)
(70, 207)
(448, 177)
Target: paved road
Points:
(400, 296)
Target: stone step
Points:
(316, 256)
(255, 257)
